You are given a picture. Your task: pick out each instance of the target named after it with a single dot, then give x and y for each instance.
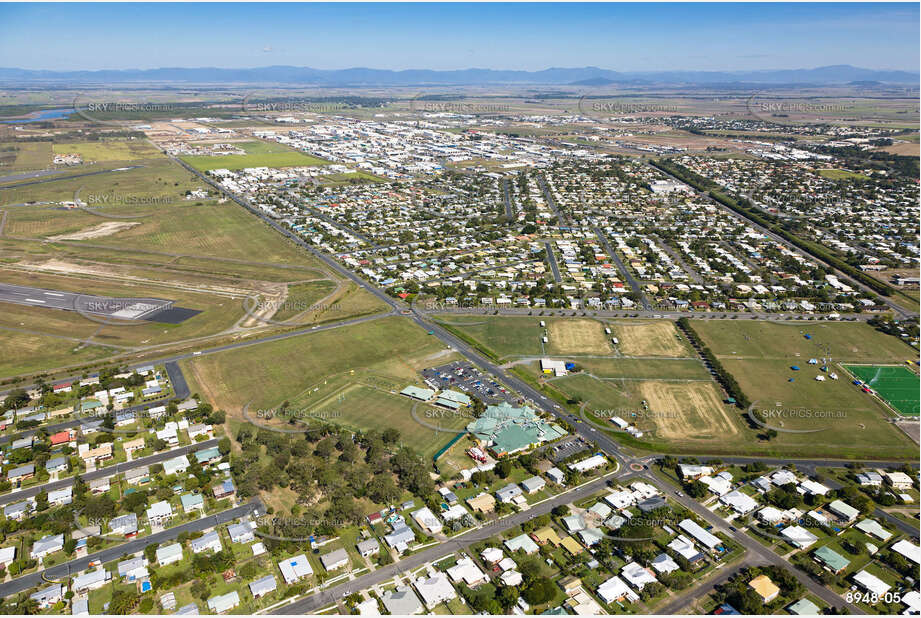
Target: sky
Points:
(523, 36)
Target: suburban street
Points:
(108, 471)
(62, 572)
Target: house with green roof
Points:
(804, 607)
(420, 394)
(831, 559)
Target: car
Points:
(732, 529)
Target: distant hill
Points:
(584, 76)
(594, 81)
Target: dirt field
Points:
(578, 337)
(97, 231)
(687, 411)
(649, 339)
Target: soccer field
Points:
(896, 384)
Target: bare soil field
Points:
(578, 337)
(649, 339)
(97, 231)
(688, 411)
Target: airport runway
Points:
(147, 309)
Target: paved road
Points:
(180, 392)
(554, 267)
(119, 308)
(56, 178)
(507, 197)
(106, 472)
(695, 592)
(665, 313)
(327, 597)
(629, 278)
(754, 547)
(563, 220)
(64, 571)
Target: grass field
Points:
(17, 157)
(757, 339)
(841, 175)
(108, 150)
(302, 297)
(644, 368)
(258, 154)
(896, 384)
(348, 370)
(509, 336)
(27, 352)
(837, 419)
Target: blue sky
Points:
(621, 37)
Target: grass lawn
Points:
(258, 154)
(28, 352)
(302, 297)
(20, 156)
(109, 150)
(833, 174)
(846, 341)
(327, 364)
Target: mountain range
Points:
(584, 76)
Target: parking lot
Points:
(564, 450)
(464, 377)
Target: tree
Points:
(541, 590)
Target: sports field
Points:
(894, 383)
(258, 154)
(343, 376)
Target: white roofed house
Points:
(126, 525)
(614, 590)
(176, 465)
(263, 586)
(335, 559)
(47, 545)
(294, 569)
(435, 589)
(798, 536)
(169, 554)
(224, 602)
(91, 580)
(427, 520)
(466, 571)
(159, 513)
(241, 533)
(739, 502)
(133, 569)
(208, 542)
(60, 497)
(637, 575)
